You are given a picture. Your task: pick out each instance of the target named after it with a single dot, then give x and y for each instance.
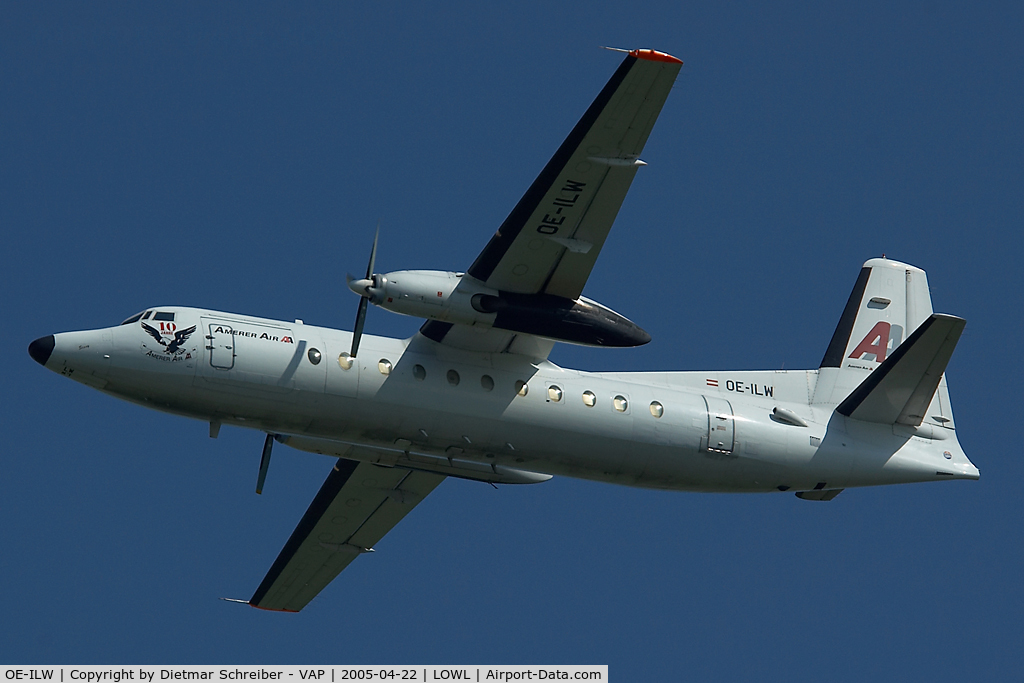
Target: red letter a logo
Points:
(876, 342)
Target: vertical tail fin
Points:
(889, 301)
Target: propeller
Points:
(364, 288)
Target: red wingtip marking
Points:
(271, 609)
(655, 56)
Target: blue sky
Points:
(238, 157)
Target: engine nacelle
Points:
(433, 294)
(459, 298)
(581, 321)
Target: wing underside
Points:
(356, 506)
(486, 340)
(550, 241)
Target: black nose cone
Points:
(41, 349)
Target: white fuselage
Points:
(417, 403)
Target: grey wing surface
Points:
(356, 506)
(486, 340)
(551, 240)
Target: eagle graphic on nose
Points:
(180, 337)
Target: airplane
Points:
(472, 394)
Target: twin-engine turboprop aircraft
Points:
(472, 394)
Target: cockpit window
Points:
(163, 315)
(145, 316)
(133, 319)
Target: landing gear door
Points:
(220, 343)
(721, 426)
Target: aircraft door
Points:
(721, 425)
(220, 342)
(265, 356)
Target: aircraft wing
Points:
(486, 340)
(550, 241)
(355, 507)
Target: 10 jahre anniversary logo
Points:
(171, 342)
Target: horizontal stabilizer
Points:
(901, 388)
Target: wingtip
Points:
(274, 609)
(250, 603)
(655, 56)
(649, 55)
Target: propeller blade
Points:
(362, 287)
(373, 255)
(357, 331)
(268, 446)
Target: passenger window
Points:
(522, 388)
(554, 393)
(453, 378)
(419, 372)
(384, 365)
(487, 382)
(657, 410)
(589, 399)
(620, 403)
(345, 360)
(314, 356)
